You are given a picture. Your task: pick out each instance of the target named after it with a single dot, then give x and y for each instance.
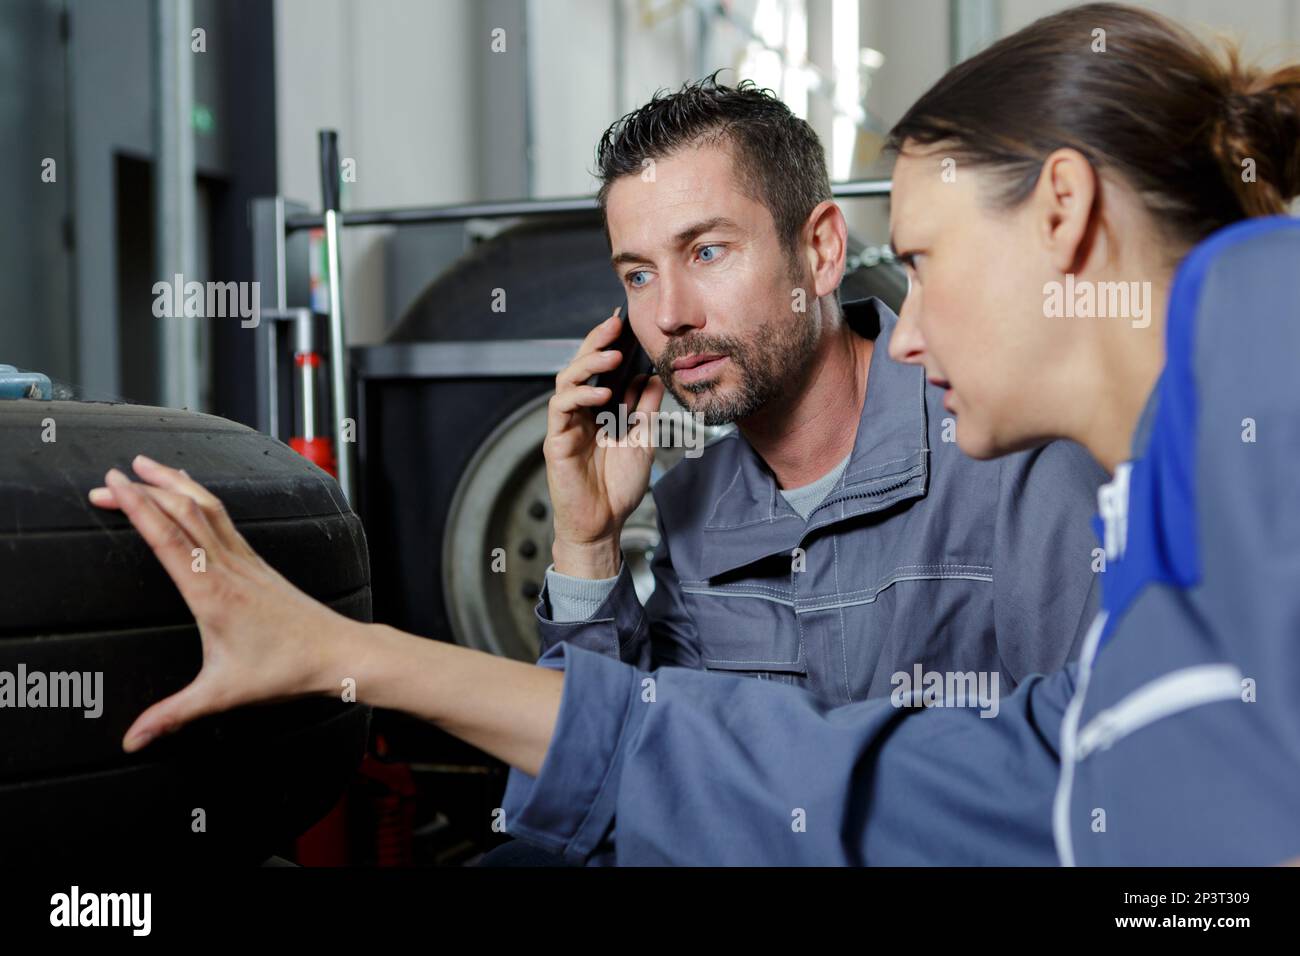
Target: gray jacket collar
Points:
(890, 462)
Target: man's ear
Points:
(826, 247)
(1063, 204)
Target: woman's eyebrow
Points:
(901, 255)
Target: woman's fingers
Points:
(175, 481)
(166, 477)
(178, 481)
(189, 703)
(168, 539)
(182, 509)
(172, 524)
(103, 497)
(261, 637)
(187, 513)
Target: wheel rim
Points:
(502, 502)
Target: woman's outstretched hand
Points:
(263, 639)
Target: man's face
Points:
(710, 293)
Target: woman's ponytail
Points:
(1256, 135)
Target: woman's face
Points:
(974, 316)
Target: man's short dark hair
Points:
(777, 158)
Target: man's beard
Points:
(769, 363)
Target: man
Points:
(839, 540)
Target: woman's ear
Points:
(1063, 203)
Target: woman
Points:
(1069, 207)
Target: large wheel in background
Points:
(502, 502)
(558, 284)
(83, 594)
(455, 493)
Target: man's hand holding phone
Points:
(595, 485)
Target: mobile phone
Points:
(635, 362)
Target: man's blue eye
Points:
(702, 250)
(632, 275)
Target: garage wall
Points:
(1269, 31)
(429, 117)
(35, 258)
(394, 78)
(579, 82)
(114, 341)
(1268, 28)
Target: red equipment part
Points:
(319, 451)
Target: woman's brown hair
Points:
(1204, 139)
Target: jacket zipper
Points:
(1165, 696)
(865, 494)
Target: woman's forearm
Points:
(504, 707)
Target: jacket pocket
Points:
(750, 631)
(1165, 696)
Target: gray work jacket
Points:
(920, 560)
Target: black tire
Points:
(83, 593)
(555, 270)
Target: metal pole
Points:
(329, 170)
(972, 25)
(174, 215)
(421, 215)
(704, 13)
(862, 188)
(620, 56)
